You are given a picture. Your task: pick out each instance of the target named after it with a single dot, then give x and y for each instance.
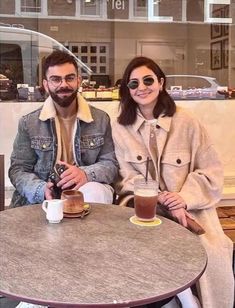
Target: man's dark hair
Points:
(58, 57)
(165, 104)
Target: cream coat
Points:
(186, 163)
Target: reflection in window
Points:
(102, 69)
(140, 8)
(84, 59)
(190, 82)
(11, 63)
(11, 70)
(102, 59)
(84, 49)
(93, 49)
(95, 55)
(31, 6)
(94, 69)
(91, 7)
(102, 49)
(75, 49)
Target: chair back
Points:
(2, 183)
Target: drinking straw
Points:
(147, 170)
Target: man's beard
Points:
(65, 101)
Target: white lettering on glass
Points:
(118, 4)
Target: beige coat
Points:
(186, 162)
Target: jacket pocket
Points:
(42, 143)
(92, 141)
(43, 147)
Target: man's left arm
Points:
(105, 168)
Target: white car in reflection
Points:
(193, 87)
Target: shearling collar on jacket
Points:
(84, 114)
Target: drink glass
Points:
(73, 201)
(145, 199)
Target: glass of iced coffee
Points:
(145, 199)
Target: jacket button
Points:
(44, 146)
(139, 157)
(178, 160)
(157, 126)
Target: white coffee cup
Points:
(54, 210)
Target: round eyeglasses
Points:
(56, 81)
(134, 83)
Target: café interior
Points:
(193, 41)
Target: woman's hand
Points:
(180, 216)
(172, 200)
(175, 205)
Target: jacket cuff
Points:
(39, 196)
(91, 176)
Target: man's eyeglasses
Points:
(134, 83)
(56, 81)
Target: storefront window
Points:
(184, 37)
(32, 6)
(140, 8)
(91, 7)
(193, 41)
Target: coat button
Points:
(44, 146)
(178, 160)
(139, 157)
(157, 126)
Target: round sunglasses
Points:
(134, 83)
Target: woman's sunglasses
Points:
(134, 83)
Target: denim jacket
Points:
(36, 145)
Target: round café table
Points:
(101, 260)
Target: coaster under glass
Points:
(136, 221)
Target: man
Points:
(65, 130)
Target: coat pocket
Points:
(179, 159)
(136, 158)
(175, 168)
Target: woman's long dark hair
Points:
(165, 104)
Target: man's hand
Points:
(72, 176)
(48, 193)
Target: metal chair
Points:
(2, 183)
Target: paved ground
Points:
(7, 303)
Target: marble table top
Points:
(102, 260)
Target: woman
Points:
(182, 160)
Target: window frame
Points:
(43, 11)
